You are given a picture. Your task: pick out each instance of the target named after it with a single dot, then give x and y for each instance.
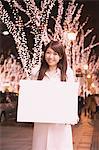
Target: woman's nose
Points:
(51, 56)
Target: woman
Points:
(48, 136)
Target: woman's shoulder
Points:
(35, 71)
(69, 70)
(70, 74)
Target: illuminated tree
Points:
(24, 16)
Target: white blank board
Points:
(47, 102)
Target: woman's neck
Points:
(52, 69)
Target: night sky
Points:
(90, 9)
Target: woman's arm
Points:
(70, 75)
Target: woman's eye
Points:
(55, 53)
(47, 52)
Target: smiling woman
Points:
(54, 69)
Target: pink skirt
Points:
(48, 136)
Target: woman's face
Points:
(52, 57)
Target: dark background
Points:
(90, 9)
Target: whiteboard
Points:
(47, 102)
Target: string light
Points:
(5, 33)
(38, 23)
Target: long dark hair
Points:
(62, 64)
